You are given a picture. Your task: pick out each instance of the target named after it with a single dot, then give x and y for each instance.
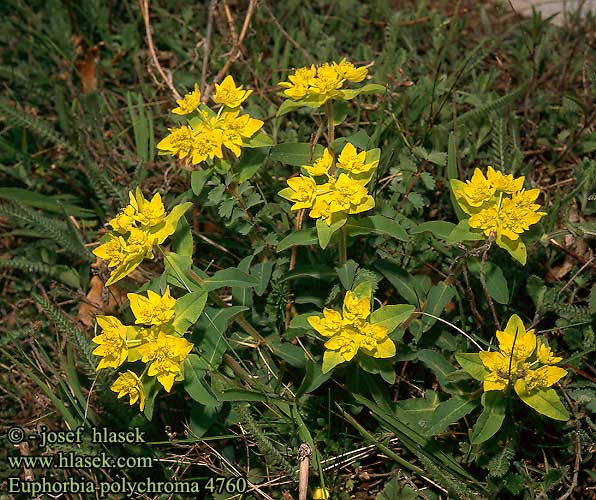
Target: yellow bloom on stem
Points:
(228, 94)
(191, 101)
(179, 142)
(297, 87)
(322, 208)
(111, 342)
(321, 165)
(129, 383)
(154, 309)
(326, 84)
(350, 72)
(166, 354)
(352, 330)
(353, 162)
(329, 325)
(504, 183)
(147, 213)
(124, 220)
(302, 191)
(321, 494)
(350, 196)
(355, 309)
(112, 251)
(545, 354)
(237, 128)
(206, 143)
(476, 191)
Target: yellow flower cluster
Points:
(511, 364)
(498, 204)
(208, 132)
(135, 231)
(351, 330)
(323, 83)
(343, 190)
(153, 340)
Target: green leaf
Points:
(490, 420)
(470, 362)
(369, 88)
(463, 232)
(177, 270)
(376, 366)
(376, 224)
(447, 413)
(230, 277)
(290, 105)
(290, 353)
(391, 316)
(246, 395)
(151, 388)
(496, 284)
(188, 309)
(546, 401)
(394, 490)
(438, 364)
(194, 381)
(250, 162)
(346, 273)
(313, 378)
(168, 226)
(296, 153)
(198, 178)
(325, 232)
(517, 249)
(215, 324)
(441, 229)
(262, 272)
(340, 111)
(330, 360)
(402, 281)
(202, 418)
(56, 204)
(438, 298)
(297, 238)
(260, 140)
(182, 242)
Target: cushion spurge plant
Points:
(499, 207)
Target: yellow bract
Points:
(112, 342)
(323, 83)
(228, 94)
(136, 230)
(206, 135)
(513, 363)
(153, 309)
(351, 331)
(129, 383)
(344, 191)
(190, 102)
(165, 355)
(498, 205)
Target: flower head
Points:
(191, 101)
(321, 165)
(228, 94)
(165, 355)
(350, 72)
(179, 143)
(153, 309)
(352, 161)
(129, 383)
(302, 191)
(111, 342)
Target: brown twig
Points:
(207, 45)
(144, 4)
(304, 454)
(288, 37)
(477, 316)
(235, 52)
(489, 299)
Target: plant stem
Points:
(343, 247)
(330, 131)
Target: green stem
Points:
(330, 131)
(343, 247)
